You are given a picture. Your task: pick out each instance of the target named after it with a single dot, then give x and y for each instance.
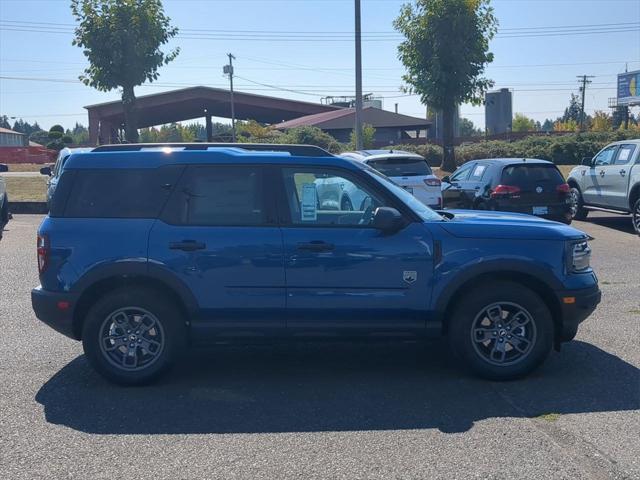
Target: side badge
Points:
(409, 276)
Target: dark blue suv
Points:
(148, 249)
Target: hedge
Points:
(563, 150)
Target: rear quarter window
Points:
(119, 193)
(529, 176)
(401, 167)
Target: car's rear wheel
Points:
(636, 216)
(4, 211)
(501, 331)
(132, 336)
(578, 212)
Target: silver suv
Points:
(610, 181)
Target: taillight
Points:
(563, 188)
(432, 182)
(506, 191)
(43, 252)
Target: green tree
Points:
(122, 40)
(468, 129)
(522, 123)
(4, 122)
(310, 136)
(573, 111)
(445, 51)
(368, 137)
(57, 138)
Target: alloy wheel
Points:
(131, 338)
(503, 333)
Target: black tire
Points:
(346, 205)
(635, 215)
(578, 212)
(4, 212)
(467, 329)
(170, 332)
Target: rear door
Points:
(615, 182)
(218, 235)
(594, 190)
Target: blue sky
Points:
(541, 70)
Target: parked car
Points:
(409, 170)
(609, 181)
(203, 244)
(54, 171)
(523, 185)
(4, 200)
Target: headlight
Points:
(578, 256)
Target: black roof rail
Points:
(298, 150)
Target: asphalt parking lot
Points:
(327, 411)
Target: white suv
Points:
(409, 170)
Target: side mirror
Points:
(587, 161)
(387, 219)
(446, 179)
(3, 168)
(45, 171)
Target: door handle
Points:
(316, 246)
(187, 245)
(623, 172)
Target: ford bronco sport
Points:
(149, 249)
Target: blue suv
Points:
(149, 249)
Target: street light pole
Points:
(228, 69)
(358, 129)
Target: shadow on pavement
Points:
(334, 388)
(621, 223)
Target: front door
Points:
(453, 191)
(218, 235)
(342, 275)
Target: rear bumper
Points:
(555, 211)
(577, 310)
(55, 309)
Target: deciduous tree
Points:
(445, 52)
(122, 40)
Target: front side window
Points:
(219, 196)
(461, 174)
(328, 197)
(605, 157)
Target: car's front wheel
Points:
(501, 331)
(578, 212)
(131, 336)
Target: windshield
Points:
(424, 212)
(401, 167)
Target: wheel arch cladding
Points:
(634, 194)
(540, 287)
(109, 284)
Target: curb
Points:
(28, 207)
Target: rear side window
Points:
(401, 167)
(219, 196)
(527, 177)
(120, 193)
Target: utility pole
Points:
(358, 129)
(585, 81)
(228, 69)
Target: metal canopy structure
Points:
(105, 119)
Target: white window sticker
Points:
(623, 154)
(308, 207)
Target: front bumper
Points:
(575, 311)
(55, 309)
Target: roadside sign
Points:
(629, 88)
